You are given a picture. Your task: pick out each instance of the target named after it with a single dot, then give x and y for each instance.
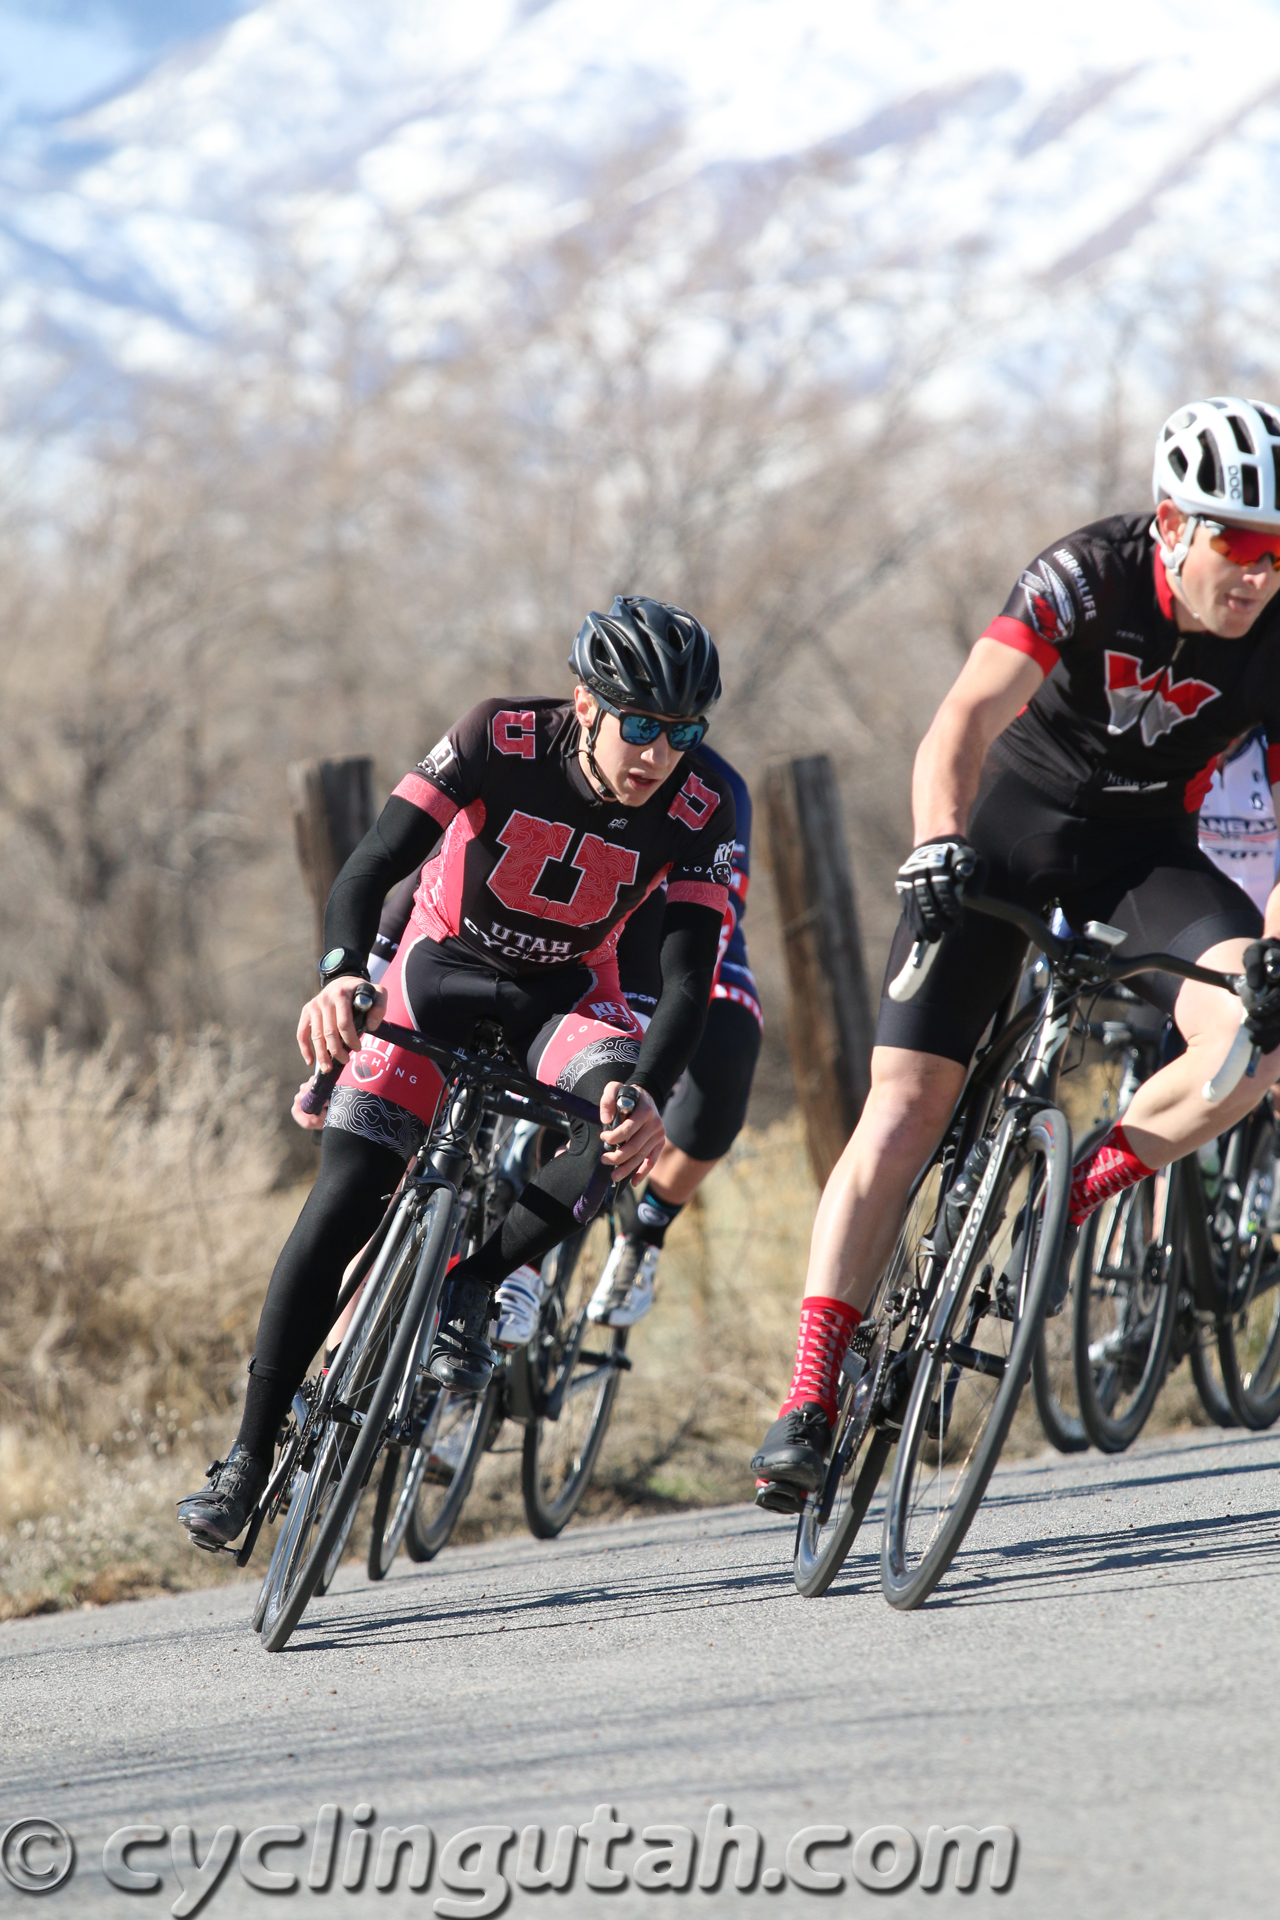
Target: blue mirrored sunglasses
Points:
(642, 729)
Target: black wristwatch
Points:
(340, 961)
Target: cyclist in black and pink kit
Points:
(705, 1113)
(1071, 756)
(548, 822)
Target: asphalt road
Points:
(1098, 1673)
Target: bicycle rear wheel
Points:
(346, 1447)
(1053, 1381)
(975, 1353)
(1249, 1328)
(574, 1367)
(1126, 1298)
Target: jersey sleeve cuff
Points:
(420, 793)
(1023, 639)
(698, 893)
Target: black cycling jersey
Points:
(1152, 881)
(536, 872)
(1133, 713)
(534, 869)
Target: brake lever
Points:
(322, 1084)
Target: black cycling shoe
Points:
(793, 1458)
(461, 1357)
(221, 1510)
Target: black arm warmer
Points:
(392, 849)
(690, 944)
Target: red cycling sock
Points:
(1109, 1169)
(826, 1328)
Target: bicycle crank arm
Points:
(622, 1361)
(245, 1553)
(345, 1415)
(972, 1359)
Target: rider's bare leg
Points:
(912, 1098)
(1169, 1115)
(677, 1175)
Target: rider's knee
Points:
(912, 1098)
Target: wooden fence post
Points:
(829, 1024)
(332, 812)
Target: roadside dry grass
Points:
(134, 1251)
(134, 1256)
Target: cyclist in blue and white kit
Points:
(1238, 817)
(705, 1113)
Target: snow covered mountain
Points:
(1018, 173)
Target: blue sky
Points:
(54, 54)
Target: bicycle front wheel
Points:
(831, 1518)
(1126, 1298)
(349, 1441)
(1053, 1378)
(975, 1353)
(442, 1466)
(574, 1366)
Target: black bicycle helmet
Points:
(648, 656)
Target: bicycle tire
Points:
(260, 1604)
(1205, 1358)
(821, 1545)
(923, 1533)
(1248, 1331)
(428, 1523)
(342, 1464)
(559, 1455)
(822, 1551)
(1126, 1301)
(1053, 1373)
(339, 1548)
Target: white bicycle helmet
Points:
(1218, 460)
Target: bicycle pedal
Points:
(774, 1497)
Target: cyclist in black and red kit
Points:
(708, 1105)
(1071, 756)
(550, 821)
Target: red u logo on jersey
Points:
(695, 803)
(516, 733)
(530, 843)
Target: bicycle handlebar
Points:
(1242, 1058)
(510, 1079)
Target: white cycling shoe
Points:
(624, 1293)
(519, 1303)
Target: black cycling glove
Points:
(1262, 971)
(931, 883)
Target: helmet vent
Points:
(1241, 432)
(1209, 473)
(1249, 481)
(1178, 461)
(1269, 422)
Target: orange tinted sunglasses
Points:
(1243, 546)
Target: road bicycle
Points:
(1183, 1265)
(945, 1347)
(374, 1396)
(1131, 1317)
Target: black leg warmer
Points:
(543, 1215)
(342, 1211)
